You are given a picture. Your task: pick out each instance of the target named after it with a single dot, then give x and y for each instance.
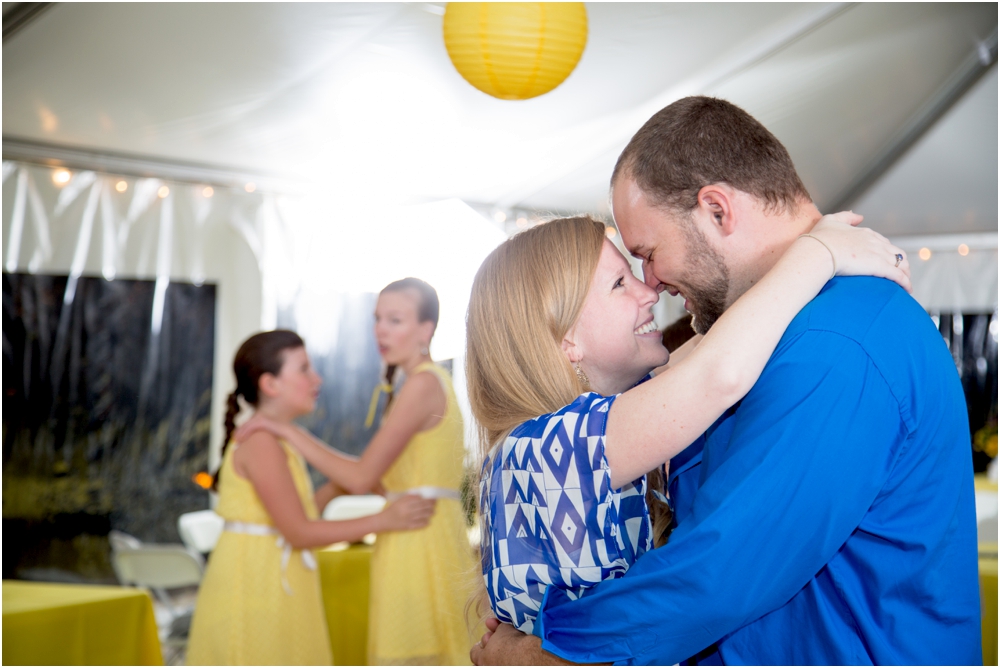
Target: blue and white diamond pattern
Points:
(551, 516)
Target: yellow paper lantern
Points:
(515, 50)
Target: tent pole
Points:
(951, 91)
(21, 14)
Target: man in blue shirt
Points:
(828, 517)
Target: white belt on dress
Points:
(428, 492)
(251, 529)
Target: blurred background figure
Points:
(259, 602)
(419, 579)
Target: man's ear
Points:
(268, 385)
(716, 204)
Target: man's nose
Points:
(652, 281)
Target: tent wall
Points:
(88, 228)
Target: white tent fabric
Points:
(244, 243)
(360, 100)
(340, 113)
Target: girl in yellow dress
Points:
(418, 590)
(259, 602)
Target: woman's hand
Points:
(407, 513)
(259, 423)
(859, 251)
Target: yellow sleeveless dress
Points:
(244, 615)
(421, 580)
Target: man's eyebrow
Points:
(638, 251)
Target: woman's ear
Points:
(570, 347)
(426, 330)
(268, 385)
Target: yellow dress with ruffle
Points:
(421, 580)
(244, 614)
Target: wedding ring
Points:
(899, 258)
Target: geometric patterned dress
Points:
(550, 515)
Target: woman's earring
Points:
(425, 351)
(581, 376)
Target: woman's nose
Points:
(650, 294)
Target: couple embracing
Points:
(807, 453)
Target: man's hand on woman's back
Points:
(503, 645)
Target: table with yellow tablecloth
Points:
(345, 576)
(69, 624)
(988, 583)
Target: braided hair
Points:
(260, 354)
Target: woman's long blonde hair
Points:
(526, 296)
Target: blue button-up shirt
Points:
(833, 520)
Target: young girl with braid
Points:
(418, 592)
(260, 602)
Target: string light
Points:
(925, 254)
(499, 216)
(121, 186)
(208, 191)
(522, 222)
(61, 177)
(610, 232)
(163, 192)
(963, 250)
(250, 187)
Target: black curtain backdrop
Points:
(972, 340)
(105, 416)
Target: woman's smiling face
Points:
(615, 341)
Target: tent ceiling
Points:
(360, 100)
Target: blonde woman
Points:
(417, 602)
(560, 339)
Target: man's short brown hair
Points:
(698, 141)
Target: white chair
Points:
(200, 530)
(120, 540)
(986, 515)
(353, 506)
(158, 568)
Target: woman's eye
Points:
(620, 282)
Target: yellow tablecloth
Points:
(988, 587)
(61, 624)
(345, 575)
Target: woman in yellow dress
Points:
(259, 602)
(419, 580)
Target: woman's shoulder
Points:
(550, 442)
(587, 404)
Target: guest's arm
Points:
(811, 447)
(325, 494)
(418, 406)
(262, 461)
